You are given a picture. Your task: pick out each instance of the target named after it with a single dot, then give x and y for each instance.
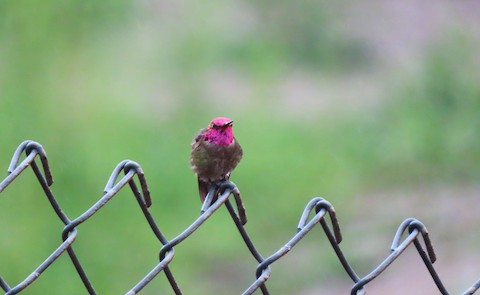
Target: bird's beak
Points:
(230, 123)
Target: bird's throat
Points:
(219, 137)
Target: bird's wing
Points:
(197, 138)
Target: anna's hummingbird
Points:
(215, 153)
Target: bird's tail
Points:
(203, 187)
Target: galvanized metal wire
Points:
(410, 231)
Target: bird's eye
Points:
(214, 125)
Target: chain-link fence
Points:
(410, 231)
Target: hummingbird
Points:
(215, 153)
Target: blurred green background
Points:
(374, 106)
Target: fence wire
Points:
(410, 231)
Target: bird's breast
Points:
(213, 162)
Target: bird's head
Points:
(221, 123)
(220, 131)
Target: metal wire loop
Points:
(415, 228)
(31, 149)
(413, 224)
(126, 166)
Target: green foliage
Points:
(431, 127)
